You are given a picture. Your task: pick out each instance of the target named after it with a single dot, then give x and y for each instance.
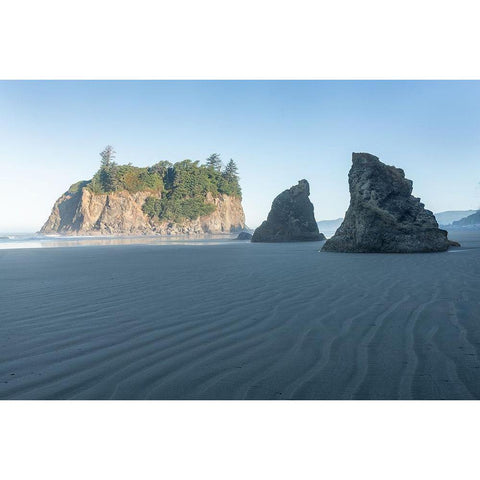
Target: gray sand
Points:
(239, 321)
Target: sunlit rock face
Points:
(120, 213)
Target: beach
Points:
(238, 320)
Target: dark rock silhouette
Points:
(291, 218)
(383, 215)
(244, 236)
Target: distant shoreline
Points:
(35, 240)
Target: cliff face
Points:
(120, 213)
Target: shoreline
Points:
(43, 241)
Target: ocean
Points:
(35, 240)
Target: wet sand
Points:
(237, 320)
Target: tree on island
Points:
(108, 174)
(214, 161)
(231, 170)
(108, 155)
(228, 180)
(183, 185)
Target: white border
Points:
(248, 39)
(239, 440)
(239, 40)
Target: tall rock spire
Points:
(383, 215)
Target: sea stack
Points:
(184, 198)
(291, 218)
(244, 236)
(384, 216)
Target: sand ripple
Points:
(238, 321)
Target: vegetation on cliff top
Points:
(179, 189)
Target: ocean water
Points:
(34, 240)
(19, 240)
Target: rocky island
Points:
(170, 199)
(291, 218)
(383, 215)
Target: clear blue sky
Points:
(277, 131)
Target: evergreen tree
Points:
(108, 155)
(231, 170)
(108, 173)
(214, 162)
(108, 179)
(160, 167)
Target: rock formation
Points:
(81, 212)
(383, 215)
(291, 218)
(244, 236)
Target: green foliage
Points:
(229, 183)
(112, 177)
(160, 168)
(183, 186)
(178, 209)
(136, 179)
(214, 162)
(152, 206)
(95, 186)
(189, 179)
(107, 154)
(76, 187)
(231, 169)
(189, 184)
